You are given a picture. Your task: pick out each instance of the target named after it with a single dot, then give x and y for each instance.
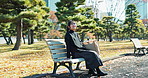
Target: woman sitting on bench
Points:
(76, 49)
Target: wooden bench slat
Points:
(57, 46)
(58, 51)
(136, 42)
(56, 42)
(59, 55)
(70, 60)
(63, 58)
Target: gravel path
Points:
(127, 67)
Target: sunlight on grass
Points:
(29, 60)
(36, 58)
(115, 48)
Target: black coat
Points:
(76, 50)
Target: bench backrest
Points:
(57, 49)
(136, 42)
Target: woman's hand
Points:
(87, 42)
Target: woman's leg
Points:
(91, 58)
(93, 61)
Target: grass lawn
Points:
(36, 58)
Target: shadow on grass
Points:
(117, 48)
(37, 54)
(78, 74)
(39, 47)
(1, 45)
(6, 50)
(132, 54)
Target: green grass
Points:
(36, 58)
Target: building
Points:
(115, 8)
(142, 7)
(94, 4)
(103, 8)
(51, 4)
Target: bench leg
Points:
(78, 64)
(139, 51)
(69, 68)
(55, 68)
(71, 71)
(143, 51)
(135, 51)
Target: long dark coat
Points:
(76, 50)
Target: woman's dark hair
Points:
(69, 23)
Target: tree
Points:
(7, 30)
(86, 22)
(8, 12)
(99, 31)
(17, 11)
(133, 24)
(42, 20)
(109, 26)
(41, 29)
(118, 33)
(66, 8)
(69, 10)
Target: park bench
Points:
(138, 47)
(59, 55)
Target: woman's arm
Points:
(67, 45)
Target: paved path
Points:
(128, 66)
(2, 40)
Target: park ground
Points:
(36, 59)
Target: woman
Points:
(76, 50)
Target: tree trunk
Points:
(98, 38)
(40, 37)
(105, 38)
(31, 36)
(131, 35)
(4, 35)
(19, 35)
(24, 39)
(97, 35)
(110, 37)
(10, 40)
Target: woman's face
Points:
(73, 26)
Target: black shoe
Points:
(102, 74)
(92, 73)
